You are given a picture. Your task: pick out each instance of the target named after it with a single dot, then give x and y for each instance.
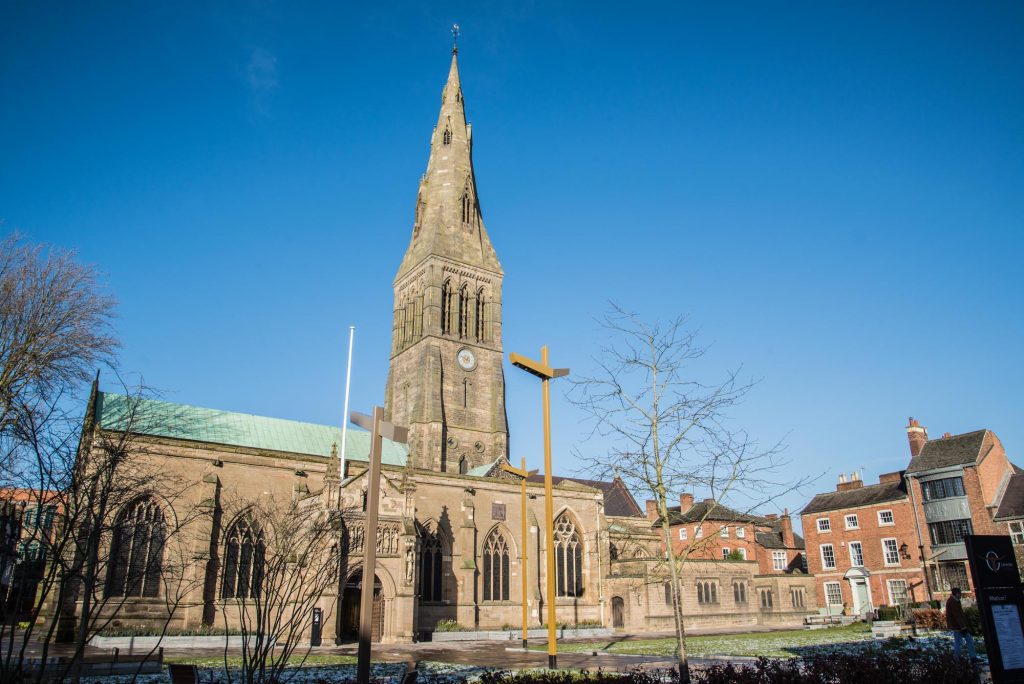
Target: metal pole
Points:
(348, 383)
(369, 551)
(526, 564)
(549, 514)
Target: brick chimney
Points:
(853, 483)
(917, 435)
(685, 502)
(787, 529)
(890, 477)
(652, 509)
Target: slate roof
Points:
(1012, 504)
(948, 451)
(213, 426)
(617, 499)
(773, 539)
(719, 513)
(861, 496)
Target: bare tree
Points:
(83, 481)
(55, 328)
(280, 559)
(664, 431)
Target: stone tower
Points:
(445, 380)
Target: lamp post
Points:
(523, 473)
(546, 373)
(379, 429)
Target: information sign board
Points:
(1001, 603)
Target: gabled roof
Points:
(618, 502)
(774, 539)
(710, 511)
(212, 426)
(948, 451)
(1012, 504)
(861, 496)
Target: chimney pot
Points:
(652, 509)
(685, 502)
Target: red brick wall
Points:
(870, 535)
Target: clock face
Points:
(466, 359)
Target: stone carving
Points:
(387, 538)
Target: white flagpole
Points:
(348, 382)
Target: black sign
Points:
(314, 638)
(993, 564)
(1001, 603)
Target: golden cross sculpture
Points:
(542, 370)
(524, 474)
(379, 429)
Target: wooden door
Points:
(618, 612)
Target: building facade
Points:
(449, 538)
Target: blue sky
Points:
(831, 191)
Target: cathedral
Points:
(449, 538)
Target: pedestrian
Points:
(956, 622)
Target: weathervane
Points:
(455, 39)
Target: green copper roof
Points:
(179, 421)
(482, 470)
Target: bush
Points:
(973, 616)
(888, 613)
(929, 618)
(450, 626)
(118, 629)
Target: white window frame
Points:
(860, 550)
(832, 551)
(892, 597)
(846, 521)
(838, 594)
(779, 560)
(743, 552)
(892, 518)
(724, 532)
(1016, 529)
(895, 552)
(698, 532)
(826, 527)
(725, 552)
(682, 533)
(741, 532)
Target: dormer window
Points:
(446, 137)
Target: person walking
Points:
(956, 622)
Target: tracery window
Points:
(467, 207)
(707, 592)
(137, 550)
(244, 553)
(431, 565)
(446, 307)
(496, 567)
(568, 558)
(447, 137)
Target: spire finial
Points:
(455, 39)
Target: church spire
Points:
(447, 221)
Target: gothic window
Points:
(668, 593)
(496, 567)
(480, 315)
(244, 552)
(613, 552)
(465, 393)
(447, 137)
(446, 307)
(431, 568)
(739, 592)
(707, 592)
(463, 465)
(137, 550)
(463, 311)
(568, 558)
(419, 216)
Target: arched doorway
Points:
(618, 612)
(348, 611)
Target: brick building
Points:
(862, 545)
(723, 542)
(957, 486)
(902, 538)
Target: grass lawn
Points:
(234, 661)
(776, 644)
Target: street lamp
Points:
(379, 429)
(523, 473)
(546, 373)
